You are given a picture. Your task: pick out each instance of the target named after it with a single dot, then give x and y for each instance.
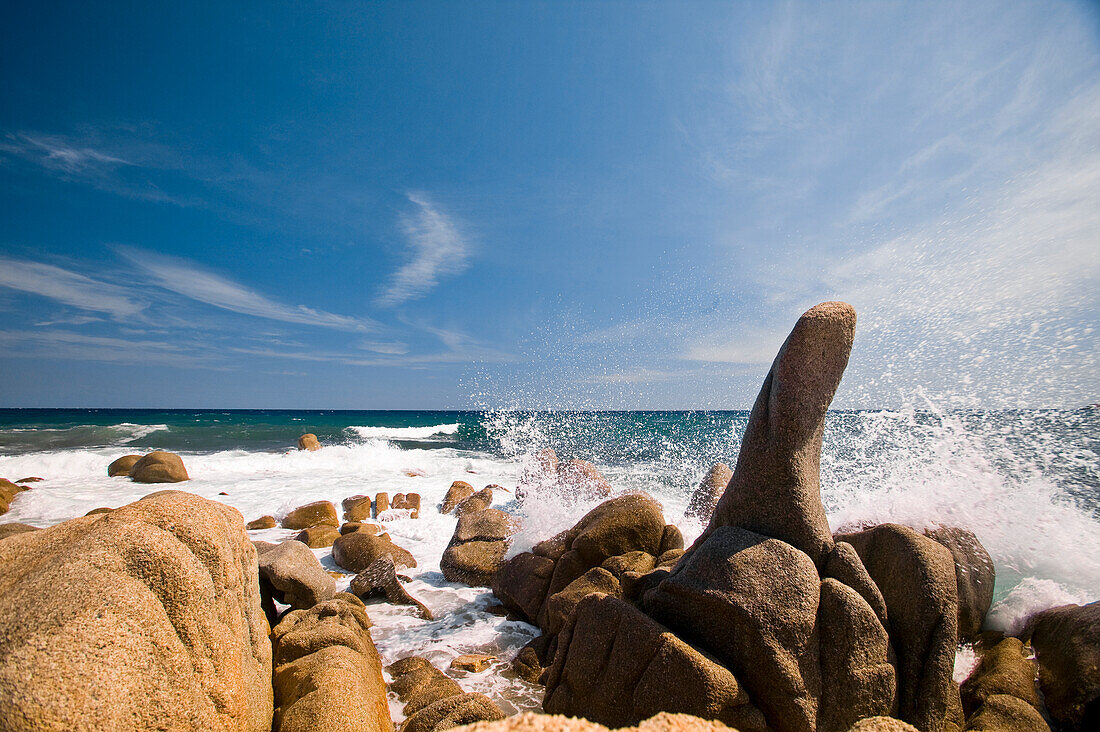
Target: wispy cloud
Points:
(62, 344)
(68, 288)
(437, 250)
(633, 376)
(58, 153)
(186, 279)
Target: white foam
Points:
(403, 433)
(134, 432)
(1032, 595)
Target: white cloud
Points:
(60, 344)
(437, 248)
(57, 153)
(68, 287)
(185, 279)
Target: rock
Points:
(451, 712)
(775, 489)
(540, 469)
(487, 525)
(473, 563)
(1004, 713)
(102, 509)
(32, 479)
(1004, 669)
(583, 479)
(159, 467)
(144, 618)
(459, 491)
(533, 722)
(1067, 647)
(380, 578)
(13, 529)
(312, 514)
(521, 584)
(357, 508)
(328, 676)
(532, 659)
(616, 666)
(358, 550)
(360, 526)
(419, 684)
(671, 540)
(412, 502)
(294, 576)
(381, 503)
(844, 564)
(974, 577)
(560, 605)
(309, 442)
(264, 522)
(472, 662)
(705, 498)
(916, 577)
(318, 537)
(640, 562)
(882, 724)
(122, 465)
(760, 607)
(477, 502)
(670, 558)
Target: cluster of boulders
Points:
(481, 536)
(153, 467)
(434, 701)
(573, 479)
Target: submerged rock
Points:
(147, 617)
(380, 578)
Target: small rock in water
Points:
(311, 514)
(474, 662)
(32, 479)
(122, 465)
(381, 578)
(223, 493)
(264, 522)
(159, 467)
(318, 537)
(309, 442)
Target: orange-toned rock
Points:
(309, 442)
(264, 522)
(122, 465)
(159, 467)
(459, 491)
(312, 514)
(473, 662)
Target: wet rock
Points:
(13, 529)
(159, 467)
(532, 659)
(409, 502)
(357, 508)
(144, 618)
(381, 503)
(1067, 647)
(974, 577)
(775, 489)
(1003, 669)
(916, 577)
(32, 479)
(521, 584)
(264, 522)
(583, 480)
(380, 578)
(419, 684)
(711, 487)
(451, 712)
(122, 465)
(294, 576)
(616, 666)
(458, 492)
(328, 676)
(312, 514)
(477, 502)
(358, 550)
(671, 540)
(473, 563)
(309, 442)
(560, 605)
(318, 537)
(490, 524)
(351, 526)
(472, 662)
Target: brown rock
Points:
(671, 540)
(1004, 713)
(473, 563)
(521, 584)
(318, 537)
(102, 509)
(357, 508)
(616, 666)
(472, 662)
(582, 479)
(669, 559)
(1004, 669)
(974, 577)
(292, 574)
(560, 605)
(419, 684)
(540, 469)
(328, 676)
(451, 712)
(458, 492)
(32, 479)
(264, 522)
(477, 502)
(159, 467)
(144, 618)
(489, 524)
(380, 578)
(309, 442)
(775, 489)
(412, 502)
(358, 550)
(312, 514)
(640, 562)
(1067, 646)
(705, 498)
(381, 503)
(360, 526)
(532, 659)
(7, 530)
(916, 577)
(122, 465)
(882, 724)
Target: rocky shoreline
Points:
(163, 614)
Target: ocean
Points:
(1027, 482)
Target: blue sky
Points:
(567, 205)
